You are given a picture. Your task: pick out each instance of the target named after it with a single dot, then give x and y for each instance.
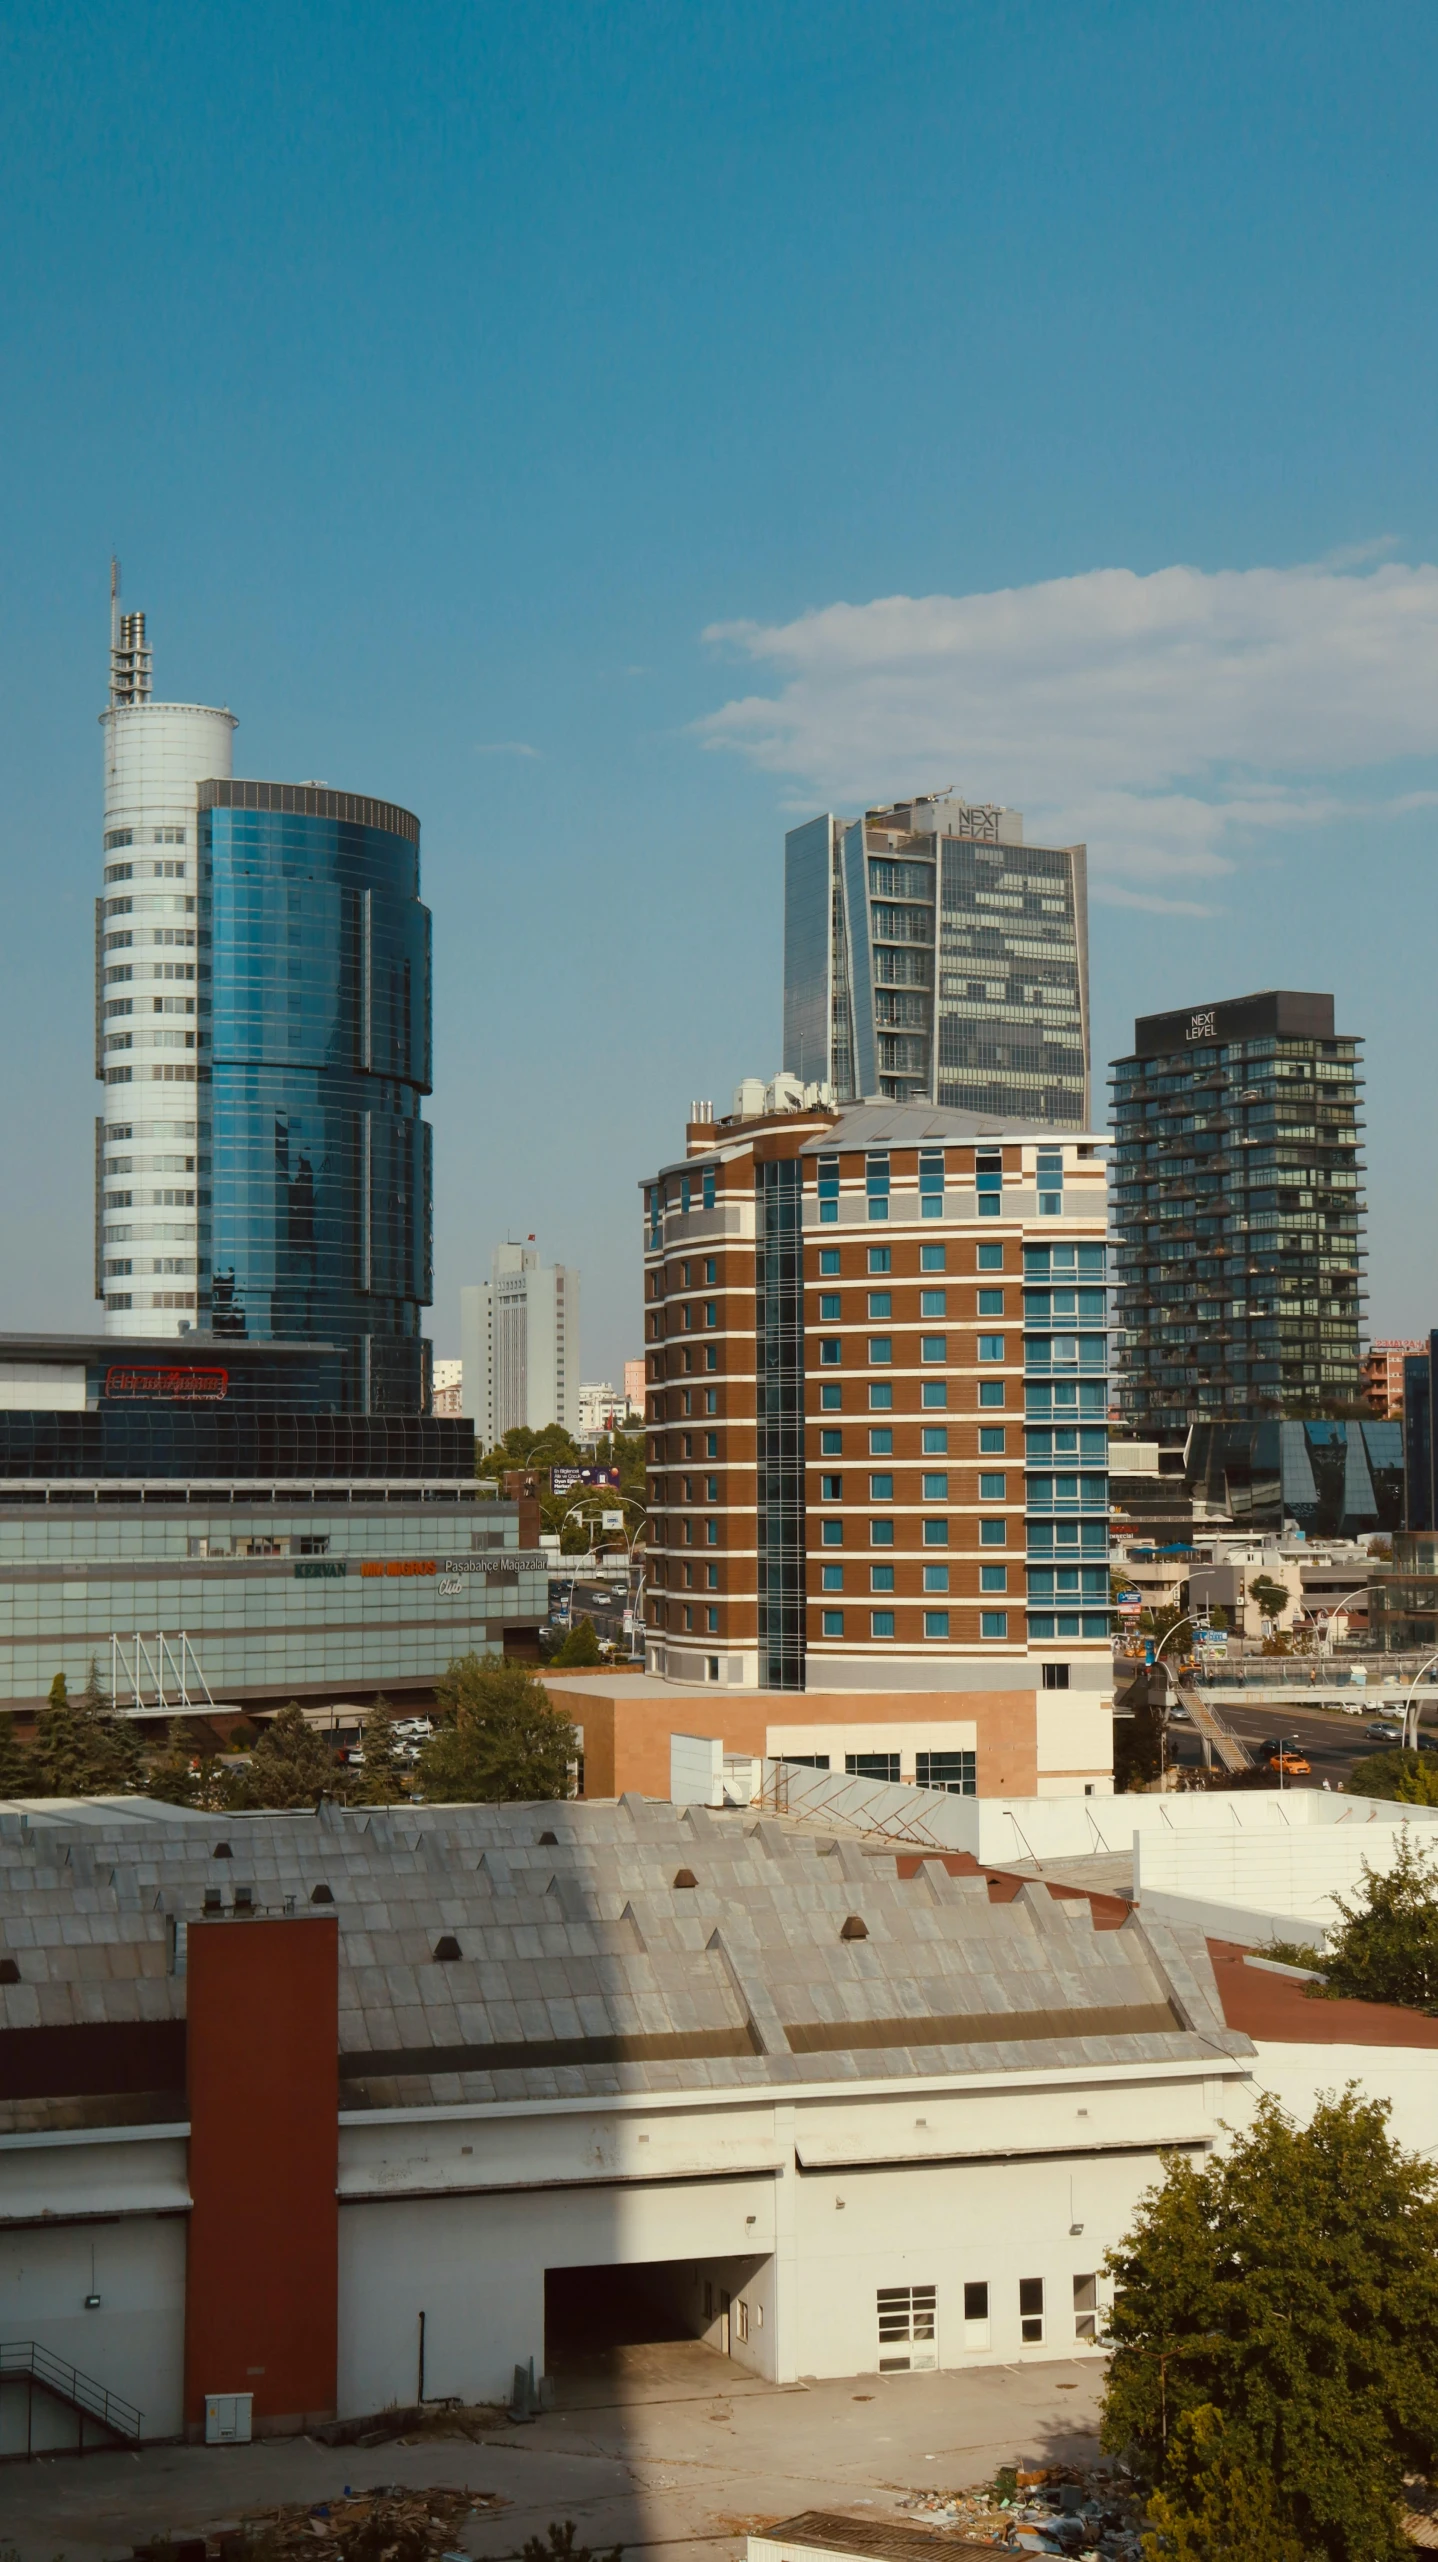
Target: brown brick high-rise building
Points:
(876, 1399)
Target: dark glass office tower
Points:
(931, 956)
(1237, 1210)
(319, 951)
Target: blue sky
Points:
(614, 431)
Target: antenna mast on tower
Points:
(129, 655)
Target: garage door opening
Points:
(624, 2332)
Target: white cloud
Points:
(1167, 719)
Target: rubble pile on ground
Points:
(389, 2520)
(1082, 2512)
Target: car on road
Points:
(1179, 1715)
(1289, 1764)
(1382, 1732)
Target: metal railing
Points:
(27, 2357)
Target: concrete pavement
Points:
(688, 2449)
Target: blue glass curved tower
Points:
(319, 960)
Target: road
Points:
(1331, 1741)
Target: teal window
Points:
(934, 1392)
(881, 1303)
(880, 1258)
(881, 1579)
(936, 1623)
(711, 1489)
(992, 1437)
(991, 1347)
(993, 1623)
(831, 1578)
(991, 1303)
(831, 1489)
(936, 1579)
(933, 1258)
(711, 1400)
(709, 1187)
(876, 1182)
(991, 1258)
(881, 1624)
(936, 1488)
(881, 1395)
(881, 1534)
(684, 1198)
(881, 1441)
(829, 1307)
(933, 1347)
(831, 1350)
(831, 1444)
(828, 1262)
(831, 1534)
(711, 1270)
(936, 1534)
(993, 1534)
(832, 1622)
(831, 1398)
(933, 1303)
(712, 1617)
(881, 1348)
(881, 1489)
(993, 1578)
(1050, 1180)
(935, 1440)
(993, 1488)
(931, 1183)
(711, 1356)
(991, 1392)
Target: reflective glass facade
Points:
(320, 1223)
(278, 1594)
(931, 956)
(779, 1350)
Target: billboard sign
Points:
(580, 1480)
(169, 1386)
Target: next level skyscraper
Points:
(931, 956)
(263, 1035)
(1237, 1210)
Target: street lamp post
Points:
(1410, 1704)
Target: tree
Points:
(81, 1748)
(580, 1646)
(1411, 1778)
(1289, 2285)
(380, 1780)
(501, 1737)
(1387, 1948)
(1221, 2507)
(291, 1764)
(1270, 1595)
(17, 1771)
(189, 1772)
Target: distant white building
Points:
(602, 1408)
(448, 1387)
(519, 1340)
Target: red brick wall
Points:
(263, 2265)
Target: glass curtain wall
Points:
(321, 1221)
(779, 1318)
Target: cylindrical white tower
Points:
(152, 1152)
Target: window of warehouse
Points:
(871, 1765)
(1031, 2309)
(1086, 2308)
(908, 2329)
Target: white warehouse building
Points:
(842, 2104)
